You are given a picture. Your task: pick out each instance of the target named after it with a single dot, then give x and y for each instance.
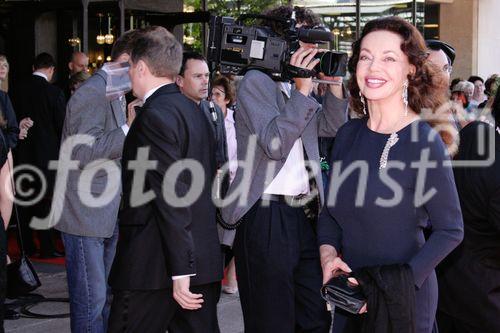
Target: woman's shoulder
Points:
(351, 126)
(3, 95)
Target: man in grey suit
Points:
(275, 247)
(90, 231)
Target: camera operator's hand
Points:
(131, 110)
(304, 58)
(335, 89)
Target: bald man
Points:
(79, 62)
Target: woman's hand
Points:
(356, 283)
(331, 262)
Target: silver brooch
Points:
(393, 139)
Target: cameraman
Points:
(277, 256)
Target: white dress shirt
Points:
(292, 179)
(125, 127)
(41, 75)
(231, 143)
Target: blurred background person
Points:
(444, 119)
(79, 62)
(442, 55)
(76, 80)
(460, 95)
(223, 94)
(4, 72)
(45, 104)
(469, 279)
(478, 96)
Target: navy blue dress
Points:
(377, 217)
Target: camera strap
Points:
(294, 71)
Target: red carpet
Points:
(13, 250)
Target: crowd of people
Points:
(283, 183)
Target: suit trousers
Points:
(155, 311)
(279, 271)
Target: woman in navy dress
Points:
(391, 177)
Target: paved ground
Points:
(54, 285)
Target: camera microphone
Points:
(314, 36)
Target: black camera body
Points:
(235, 48)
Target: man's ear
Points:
(141, 68)
(70, 66)
(179, 80)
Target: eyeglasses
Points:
(447, 69)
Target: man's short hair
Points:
(186, 56)
(438, 45)
(43, 60)
(123, 44)
(302, 15)
(159, 49)
(474, 78)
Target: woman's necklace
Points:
(391, 141)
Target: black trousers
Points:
(449, 324)
(279, 271)
(155, 311)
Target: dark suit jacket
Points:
(469, 278)
(157, 240)
(11, 130)
(45, 104)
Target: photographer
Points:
(276, 253)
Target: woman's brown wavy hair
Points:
(427, 86)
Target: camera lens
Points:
(331, 63)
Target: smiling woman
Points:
(381, 237)
(425, 86)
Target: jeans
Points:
(88, 262)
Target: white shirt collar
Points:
(152, 91)
(41, 75)
(230, 115)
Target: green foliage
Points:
(238, 7)
(225, 8)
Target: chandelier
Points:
(109, 38)
(100, 39)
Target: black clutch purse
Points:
(343, 294)
(21, 278)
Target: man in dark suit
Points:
(168, 265)
(45, 105)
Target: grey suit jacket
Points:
(264, 115)
(90, 112)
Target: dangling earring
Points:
(362, 102)
(405, 96)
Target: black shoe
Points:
(11, 314)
